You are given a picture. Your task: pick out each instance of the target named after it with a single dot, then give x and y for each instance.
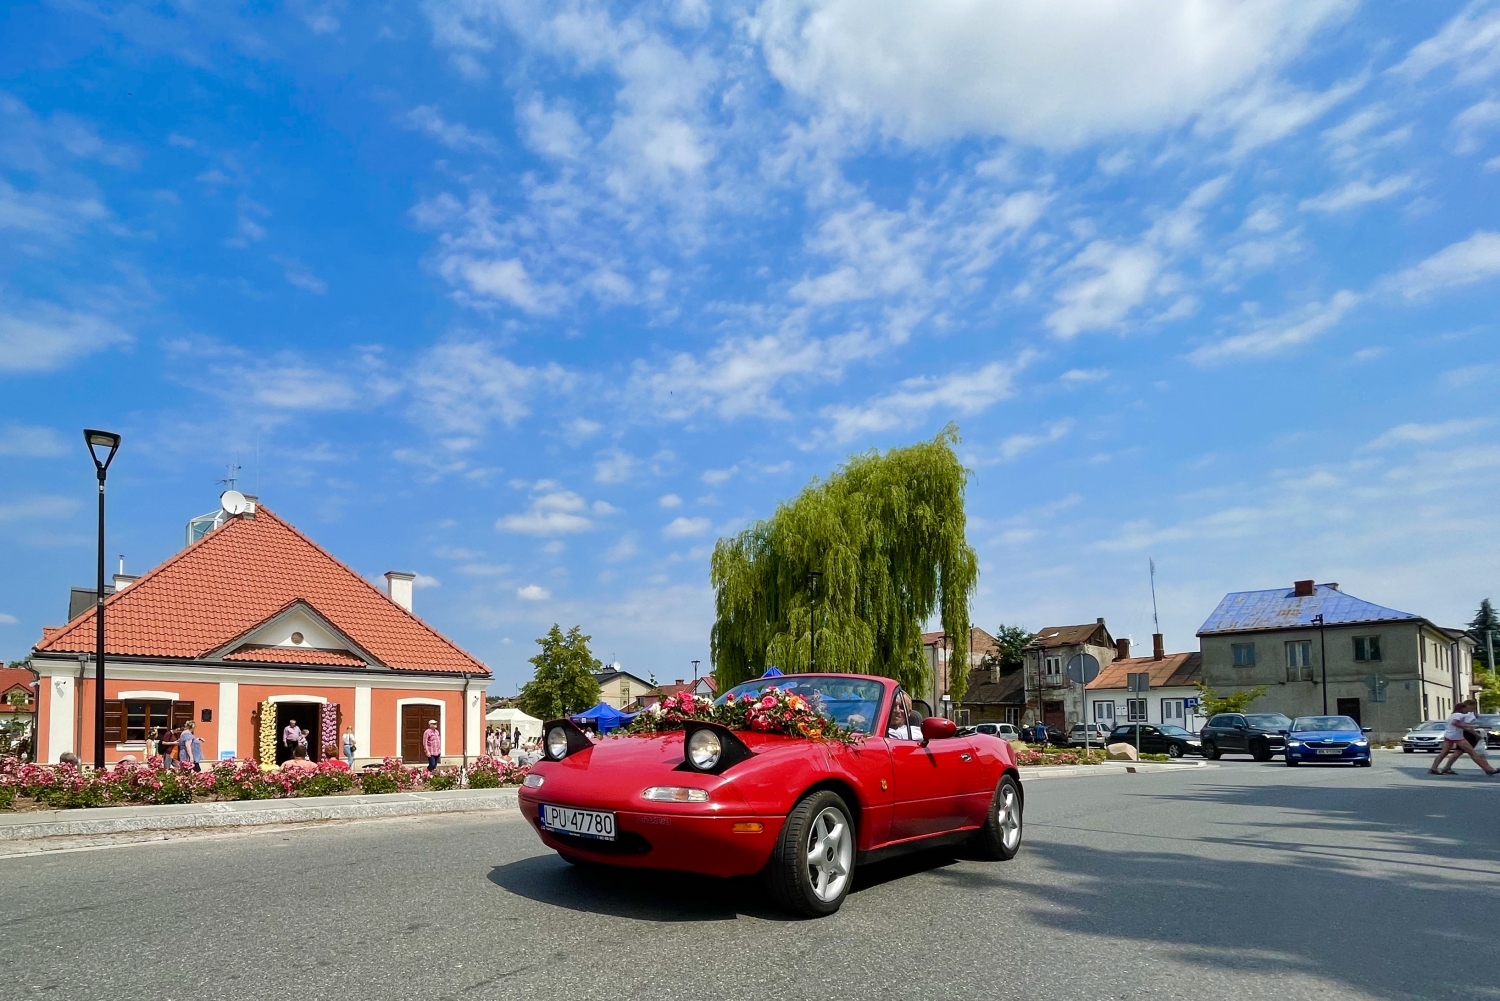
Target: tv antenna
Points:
(232, 480)
(1154, 618)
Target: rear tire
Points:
(1000, 837)
(812, 865)
(1210, 751)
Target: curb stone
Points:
(246, 813)
(1029, 772)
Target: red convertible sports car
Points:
(801, 812)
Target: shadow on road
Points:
(659, 895)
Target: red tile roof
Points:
(238, 576)
(1175, 670)
(260, 654)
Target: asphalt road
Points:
(1237, 881)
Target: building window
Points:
(1135, 710)
(1299, 660)
(1244, 654)
(624, 693)
(1013, 715)
(1104, 712)
(142, 717)
(1367, 648)
(1054, 668)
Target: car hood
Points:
(1325, 735)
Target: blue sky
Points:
(540, 300)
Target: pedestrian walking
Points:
(350, 747)
(293, 735)
(167, 745)
(190, 749)
(432, 744)
(1458, 739)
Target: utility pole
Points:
(1323, 659)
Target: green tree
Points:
(886, 532)
(1212, 703)
(1485, 620)
(564, 679)
(1011, 653)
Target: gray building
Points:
(1050, 697)
(1386, 668)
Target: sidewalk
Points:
(127, 819)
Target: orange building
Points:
(251, 627)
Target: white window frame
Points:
(1104, 711)
(1180, 717)
(1132, 706)
(1054, 667)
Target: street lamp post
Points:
(1323, 659)
(812, 620)
(109, 441)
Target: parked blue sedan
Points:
(1327, 738)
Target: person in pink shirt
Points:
(432, 743)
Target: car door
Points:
(1153, 741)
(1233, 733)
(933, 785)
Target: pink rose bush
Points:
(774, 710)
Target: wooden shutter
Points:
(182, 714)
(114, 720)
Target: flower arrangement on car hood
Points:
(774, 710)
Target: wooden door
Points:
(1350, 708)
(413, 723)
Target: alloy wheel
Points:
(1009, 815)
(830, 854)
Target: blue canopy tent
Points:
(772, 672)
(605, 717)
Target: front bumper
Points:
(1311, 754)
(679, 841)
(1422, 745)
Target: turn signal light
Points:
(675, 794)
(749, 828)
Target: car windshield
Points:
(851, 702)
(1269, 721)
(1305, 723)
(1434, 725)
(1489, 719)
(1175, 731)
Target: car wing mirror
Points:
(1366, 729)
(1283, 732)
(937, 728)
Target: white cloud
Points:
(614, 466)
(1280, 334)
(465, 386)
(1079, 376)
(1019, 444)
(556, 512)
(1470, 125)
(1117, 279)
(247, 227)
(669, 501)
(506, 280)
(38, 508)
(30, 441)
(581, 429)
(1470, 42)
(1463, 263)
(622, 550)
(682, 528)
(301, 276)
(1058, 73)
(1426, 434)
(956, 393)
(289, 382)
(426, 580)
(8, 620)
(553, 132)
(454, 135)
(533, 592)
(46, 214)
(41, 337)
(1355, 194)
(714, 477)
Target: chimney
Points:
(1332, 587)
(1158, 647)
(1302, 589)
(398, 586)
(1100, 620)
(1122, 648)
(679, 681)
(123, 579)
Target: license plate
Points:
(584, 823)
(1330, 750)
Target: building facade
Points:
(618, 688)
(1172, 700)
(1050, 697)
(247, 629)
(937, 650)
(1386, 668)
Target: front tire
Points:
(1260, 751)
(1291, 762)
(1408, 750)
(1210, 751)
(812, 865)
(1000, 837)
(1174, 750)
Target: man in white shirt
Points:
(1461, 722)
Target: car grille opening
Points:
(625, 843)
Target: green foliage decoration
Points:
(564, 679)
(887, 534)
(1010, 655)
(1212, 703)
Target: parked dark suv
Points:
(1259, 735)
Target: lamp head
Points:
(106, 440)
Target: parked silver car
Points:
(1004, 731)
(1424, 737)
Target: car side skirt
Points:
(946, 839)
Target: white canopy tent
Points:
(514, 719)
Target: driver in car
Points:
(906, 722)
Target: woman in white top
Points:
(1461, 722)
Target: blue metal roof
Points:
(1242, 611)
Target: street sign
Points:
(1376, 684)
(1140, 682)
(1083, 668)
(1190, 703)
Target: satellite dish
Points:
(233, 502)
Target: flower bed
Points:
(1038, 756)
(772, 711)
(25, 786)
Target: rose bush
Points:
(391, 776)
(491, 773)
(774, 710)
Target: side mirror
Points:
(1283, 732)
(1366, 729)
(937, 728)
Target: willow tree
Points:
(857, 562)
